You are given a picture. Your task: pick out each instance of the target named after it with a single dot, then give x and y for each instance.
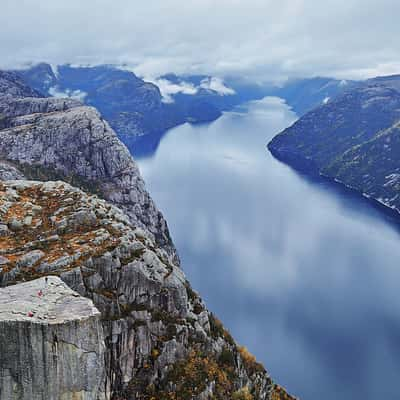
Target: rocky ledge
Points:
(52, 343)
(50, 139)
(157, 330)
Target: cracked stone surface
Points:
(41, 302)
(52, 343)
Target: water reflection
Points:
(305, 275)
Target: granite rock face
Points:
(154, 323)
(52, 344)
(161, 341)
(134, 108)
(11, 84)
(51, 138)
(353, 139)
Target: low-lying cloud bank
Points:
(168, 89)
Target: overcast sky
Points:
(261, 39)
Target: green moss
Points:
(242, 394)
(139, 322)
(171, 331)
(165, 317)
(50, 173)
(135, 255)
(189, 377)
(198, 308)
(217, 330)
(192, 296)
(226, 357)
(125, 311)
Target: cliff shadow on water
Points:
(146, 146)
(355, 200)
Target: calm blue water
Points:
(306, 276)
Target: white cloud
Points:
(73, 94)
(168, 88)
(262, 39)
(217, 85)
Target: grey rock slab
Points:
(52, 345)
(31, 258)
(4, 260)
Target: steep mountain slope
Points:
(161, 342)
(133, 107)
(302, 95)
(352, 139)
(60, 138)
(10, 83)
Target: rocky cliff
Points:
(52, 344)
(353, 140)
(134, 108)
(50, 138)
(108, 242)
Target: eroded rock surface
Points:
(156, 327)
(51, 138)
(52, 343)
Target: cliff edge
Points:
(52, 344)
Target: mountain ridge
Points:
(351, 140)
(141, 112)
(134, 108)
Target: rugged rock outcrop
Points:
(161, 342)
(52, 343)
(154, 323)
(134, 108)
(50, 138)
(354, 140)
(10, 83)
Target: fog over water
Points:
(305, 275)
